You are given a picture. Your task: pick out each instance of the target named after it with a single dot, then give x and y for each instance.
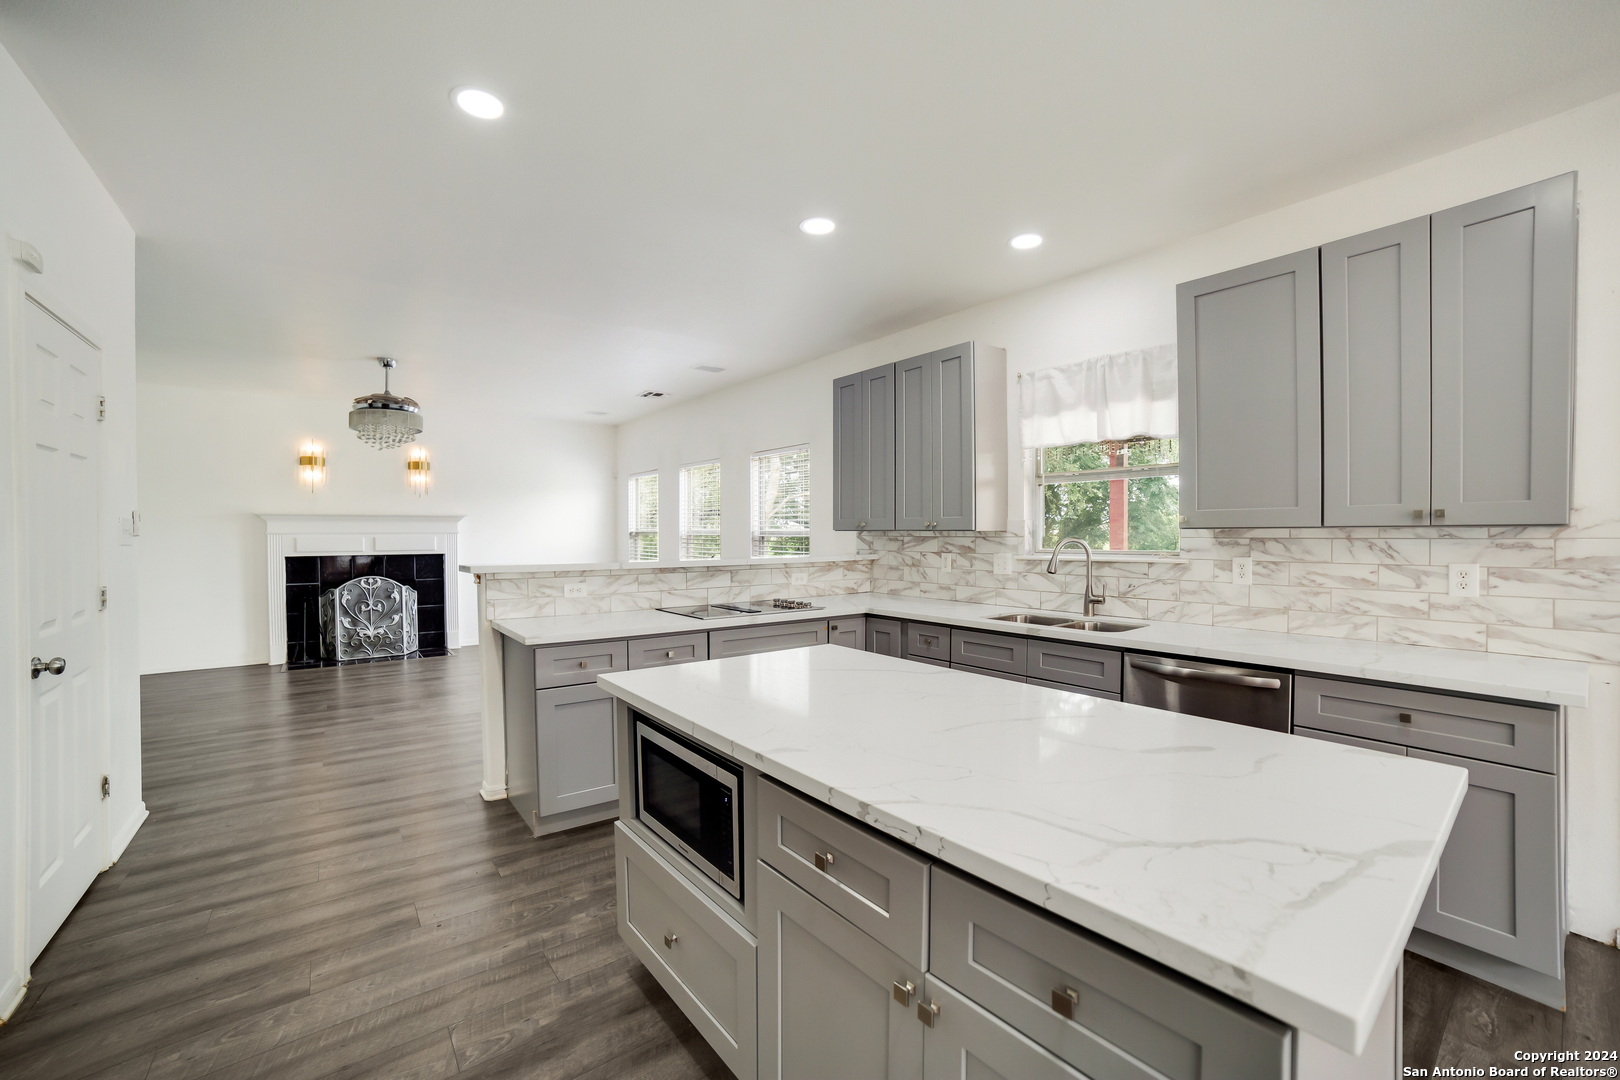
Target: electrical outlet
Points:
(947, 561)
(1243, 571)
(798, 577)
(573, 589)
(1464, 579)
(1003, 563)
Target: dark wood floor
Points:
(320, 892)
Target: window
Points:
(781, 517)
(644, 518)
(1116, 496)
(700, 511)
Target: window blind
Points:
(644, 518)
(700, 511)
(781, 503)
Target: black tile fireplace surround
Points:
(310, 575)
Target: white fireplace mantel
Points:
(344, 534)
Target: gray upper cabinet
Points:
(863, 454)
(1249, 344)
(1375, 377)
(948, 463)
(1504, 342)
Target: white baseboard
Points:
(120, 840)
(492, 794)
(11, 994)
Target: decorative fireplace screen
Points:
(368, 618)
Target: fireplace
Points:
(312, 554)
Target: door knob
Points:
(54, 666)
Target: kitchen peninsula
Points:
(1276, 878)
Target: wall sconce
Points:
(417, 469)
(311, 465)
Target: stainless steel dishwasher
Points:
(1253, 696)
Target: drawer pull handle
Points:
(584, 663)
(824, 859)
(669, 655)
(1065, 999)
(927, 1011)
(670, 940)
(1406, 717)
(903, 992)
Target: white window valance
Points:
(1105, 398)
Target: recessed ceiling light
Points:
(651, 393)
(817, 226)
(479, 103)
(1025, 241)
(595, 412)
(710, 368)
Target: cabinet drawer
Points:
(971, 670)
(663, 651)
(1083, 690)
(925, 641)
(875, 883)
(1520, 735)
(570, 665)
(992, 652)
(1130, 1017)
(1075, 665)
(703, 959)
(1351, 740)
(967, 1043)
(746, 640)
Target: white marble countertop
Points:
(1285, 872)
(1519, 678)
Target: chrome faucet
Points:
(1094, 596)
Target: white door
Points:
(66, 825)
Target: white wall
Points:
(211, 462)
(1131, 304)
(50, 197)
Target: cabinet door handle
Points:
(927, 1012)
(824, 859)
(860, 524)
(903, 992)
(670, 940)
(1065, 999)
(1439, 515)
(1406, 717)
(1417, 515)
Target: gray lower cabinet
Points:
(667, 650)
(1077, 667)
(744, 640)
(884, 636)
(574, 746)
(863, 450)
(1249, 356)
(1497, 888)
(1503, 283)
(1001, 653)
(966, 1042)
(1099, 1008)
(848, 631)
(1375, 377)
(833, 1001)
(928, 642)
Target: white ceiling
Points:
(306, 196)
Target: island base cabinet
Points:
(833, 1002)
(701, 957)
(967, 1043)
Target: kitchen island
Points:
(1280, 873)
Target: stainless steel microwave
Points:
(692, 799)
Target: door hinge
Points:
(101, 407)
(106, 788)
(104, 598)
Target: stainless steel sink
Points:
(1102, 626)
(1033, 619)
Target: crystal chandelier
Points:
(385, 421)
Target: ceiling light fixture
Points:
(710, 368)
(1025, 241)
(386, 421)
(817, 226)
(479, 103)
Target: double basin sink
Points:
(1069, 622)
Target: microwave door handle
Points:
(1198, 674)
